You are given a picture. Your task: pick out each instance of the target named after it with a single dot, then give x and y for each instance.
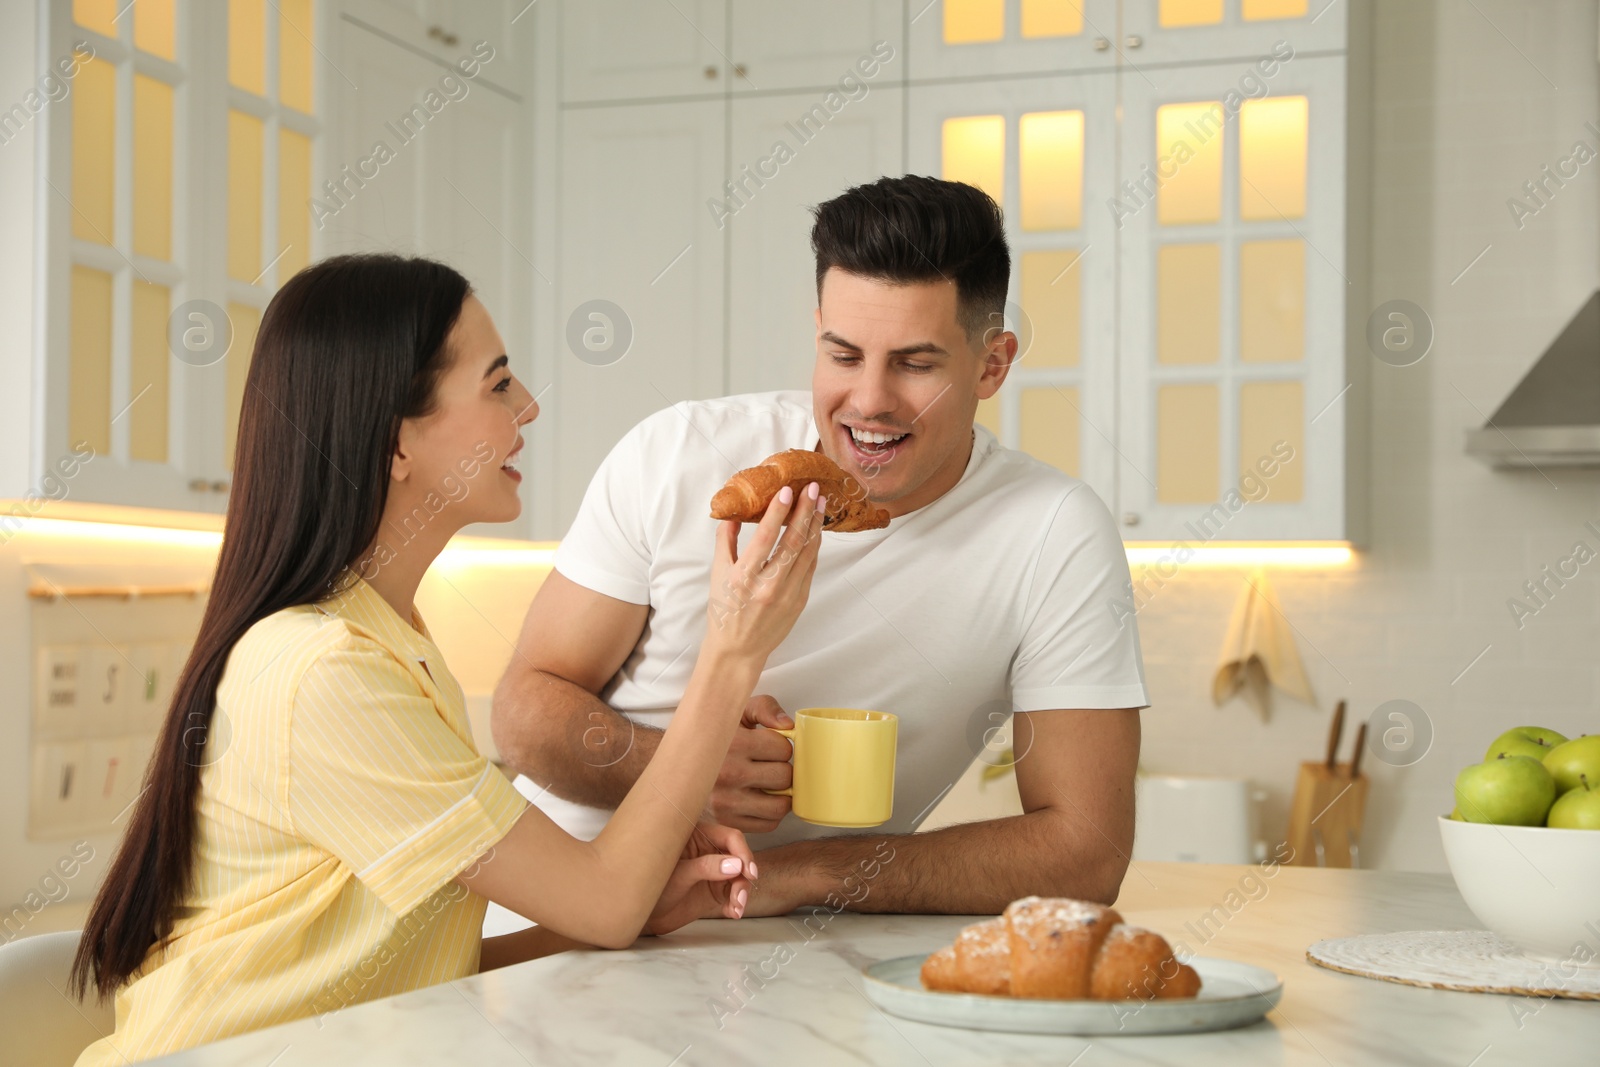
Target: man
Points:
(990, 591)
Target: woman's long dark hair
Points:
(347, 348)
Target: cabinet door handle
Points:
(199, 485)
(219, 487)
(711, 73)
(1133, 40)
(1101, 44)
(1130, 518)
(738, 70)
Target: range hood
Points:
(1552, 417)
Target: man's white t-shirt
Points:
(1008, 593)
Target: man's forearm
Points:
(970, 869)
(533, 943)
(570, 741)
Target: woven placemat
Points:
(1475, 961)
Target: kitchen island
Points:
(789, 991)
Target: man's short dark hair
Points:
(916, 229)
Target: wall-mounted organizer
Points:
(108, 643)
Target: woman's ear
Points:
(404, 451)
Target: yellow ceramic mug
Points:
(843, 766)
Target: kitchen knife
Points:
(1334, 734)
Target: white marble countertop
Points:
(667, 1001)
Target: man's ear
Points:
(998, 355)
(404, 451)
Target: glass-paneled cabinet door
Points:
(1197, 31)
(179, 177)
(1045, 149)
(267, 209)
(986, 38)
(1231, 242)
(118, 254)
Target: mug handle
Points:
(789, 733)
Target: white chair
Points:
(40, 1024)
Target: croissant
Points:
(749, 492)
(1052, 948)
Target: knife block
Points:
(1325, 818)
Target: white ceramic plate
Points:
(1231, 994)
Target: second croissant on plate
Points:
(1060, 949)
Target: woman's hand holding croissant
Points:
(756, 596)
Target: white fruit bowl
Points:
(1536, 887)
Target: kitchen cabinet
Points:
(775, 45)
(449, 182)
(208, 152)
(447, 185)
(1191, 231)
(639, 292)
(1044, 148)
(174, 201)
(984, 39)
(678, 221)
(1234, 279)
(640, 49)
(1165, 353)
(1193, 370)
(772, 281)
(1205, 31)
(622, 50)
(450, 27)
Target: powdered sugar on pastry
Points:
(1035, 917)
(987, 938)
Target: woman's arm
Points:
(601, 892)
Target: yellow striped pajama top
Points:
(342, 794)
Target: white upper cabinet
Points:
(427, 157)
(639, 309)
(788, 157)
(643, 49)
(1044, 148)
(1205, 31)
(779, 44)
(376, 201)
(450, 27)
(990, 38)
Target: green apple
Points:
(1535, 742)
(1507, 790)
(1455, 813)
(1576, 809)
(1572, 759)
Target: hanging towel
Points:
(1259, 651)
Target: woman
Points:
(316, 827)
